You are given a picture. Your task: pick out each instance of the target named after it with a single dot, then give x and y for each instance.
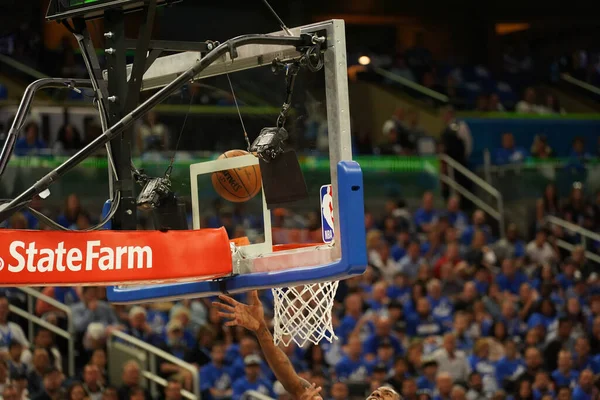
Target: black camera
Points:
(154, 193)
(269, 143)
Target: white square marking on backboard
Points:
(209, 167)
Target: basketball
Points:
(237, 184)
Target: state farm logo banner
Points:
(112, 257)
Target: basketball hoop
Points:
(303, 313)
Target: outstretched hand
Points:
(312, 393)
(250, 316)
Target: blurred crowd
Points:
(446, 310)
(149, 135)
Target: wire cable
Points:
(239, 112)
(187, 114)
(281, 23)
(50, 222)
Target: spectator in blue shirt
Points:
(385, 357)
(511, 246)
(509, 153)
(581, 357)
(466, 238)
(545, 317)
(565, 375)
(247, 347)
(71, 211)
(510, 279)
(400, 289)
(422, 324)
(425, 216)
(379, 300)
(182, 315)
(441, 307)
(31, 143)
(139, 328)
(91, 309)
(566, 279)
(510, 366)
(354, 317)
(480, 362)
(456, 218)
(427, 379)
(383, 332)
(585, 390)
(252, 379)
(352, 366)
(464, 339)
(398, 249)
(215, 378)
(409, 264)
(542, 386)
(578, 151)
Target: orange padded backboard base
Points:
(40, 258)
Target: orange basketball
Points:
(237, 184)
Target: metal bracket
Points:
(169, 45)
(139, 63)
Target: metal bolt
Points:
(109, 35)
(209, 46)
(112, 99)
(129, 212)
(110, 51)
(318, 39)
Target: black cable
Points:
(15, 207)
(281, 23)
(170, 167)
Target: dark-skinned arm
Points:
(280, 363)
(251, 317)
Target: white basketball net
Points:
(303, 313)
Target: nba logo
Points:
(327, 213)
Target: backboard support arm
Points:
(127, 121)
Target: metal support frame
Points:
(118, 93)
(25, 106)
(171, 45)
(344, 258)
(117, 128)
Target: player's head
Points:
(384, 393)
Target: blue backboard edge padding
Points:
(353, 260)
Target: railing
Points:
(253, 394)
(32, 319)
(583, 233)
(186, 394)
(581, 84)
(448, 177)
(412, 85)
(526, 181)
(153, 352)
(23, 68)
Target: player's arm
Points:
(251, 317)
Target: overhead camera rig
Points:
(117, 88)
